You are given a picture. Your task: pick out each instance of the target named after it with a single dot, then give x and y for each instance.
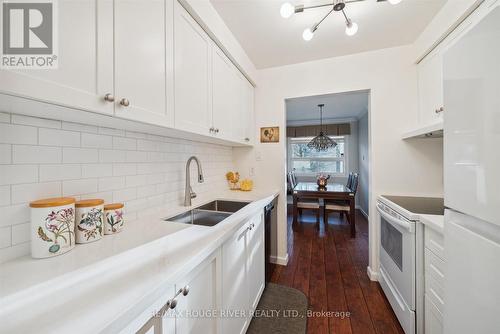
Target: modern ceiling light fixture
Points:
(287, 10)
(321, 142)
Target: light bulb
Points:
(308, 34)
(287, 10)
(394, 2)
(351, 28)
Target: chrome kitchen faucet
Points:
(189, 193)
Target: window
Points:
(309, 161)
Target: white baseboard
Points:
(362, 211)
(282, 261)
(373, 275)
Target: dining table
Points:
(332, 191)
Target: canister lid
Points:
(113, 206)
(50, 202)
(89, 202)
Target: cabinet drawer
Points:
(435, 242)
(434, 279)
(433, 318)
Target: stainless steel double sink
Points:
(209, 214)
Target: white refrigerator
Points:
(471, 72)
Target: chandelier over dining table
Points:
(321, 142)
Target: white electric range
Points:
(401, 255)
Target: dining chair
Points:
(305, 203)
(341, 206)
(349, 180)
(289, 182)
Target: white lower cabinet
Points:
(221, 293)
(243, 275)
(235, 296)
(256, 261)
(194, 309)
(433, 318)
(434, 281)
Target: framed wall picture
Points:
(270, 134)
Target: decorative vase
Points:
(89, 220)
(322, 180)
(52, 227)
(113, 218)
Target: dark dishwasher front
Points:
(270, 221)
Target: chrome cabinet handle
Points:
(216, 130)
(212, 130)
(124, 102)
(185, 290)
(173, 303)
(440, 110)
(109, 97)
(247, 139)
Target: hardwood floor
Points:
(330, 268)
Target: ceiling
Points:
(270, 40)
(338, 107)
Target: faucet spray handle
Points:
(200, 178)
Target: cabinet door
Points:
(430, 88)
(194, 308)
(192, 70)
(227, 96)
(248, 111)
(235, 282)
(256, 260)
(143, 59)
(85, 61)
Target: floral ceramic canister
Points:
(113, 218)
(52, 226)
(89, 220)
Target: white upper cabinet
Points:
(232, 100)
(85, 61)
(192, 68)
(248, 112)
(143, 60)
(430, 88)
(226, 95)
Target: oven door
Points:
(397, 265)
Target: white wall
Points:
(397, 166)
(42, 158)
(363, 165)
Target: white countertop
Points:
(436, 222)
(91, 287)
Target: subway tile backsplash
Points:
(45, 158)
